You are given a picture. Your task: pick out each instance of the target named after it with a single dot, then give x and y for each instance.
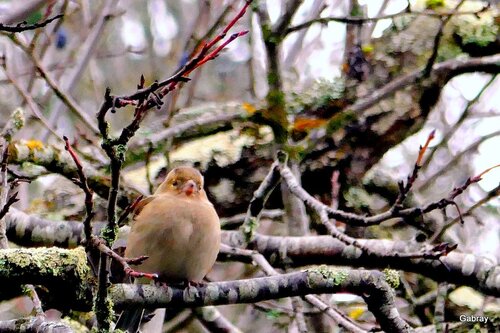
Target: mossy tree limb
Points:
(34, 324)
(63, 272)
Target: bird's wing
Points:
(142, 204)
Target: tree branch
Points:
(360, 20)
(447, 69)
(459, 268)
(33, 324)
(24, 27)
(371, 285)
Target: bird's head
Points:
(183, 180)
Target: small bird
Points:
(178, 229)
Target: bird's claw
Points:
(195, 284)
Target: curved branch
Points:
(214, 321)
(447, 69)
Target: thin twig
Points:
(84, 54)
(258, 201)
(359, 220)
(83, 184)
(489, 196)
(37, 113)
(361, 20)
(437, 40)
(24, 27)
(63, 96)
(405, 189)
(465, 115)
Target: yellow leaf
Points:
(34, 144)
(249, 108)
(367, 48)
(356, 312)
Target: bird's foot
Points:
(161, 282)
(191, 288)
(136, 274)
(195, 284)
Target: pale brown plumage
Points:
(177, 228)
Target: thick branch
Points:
(63, 272)
(371, 285)
(33, 324)
(448, 69)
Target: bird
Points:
(178, 229)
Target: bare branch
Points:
(83, 184)
(24, 27)
(360, 20)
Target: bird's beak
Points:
(190, 187)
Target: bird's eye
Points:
(175, 183)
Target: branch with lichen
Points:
(259, 260)
(34, 324)
(373, 286)
(207, 120)
(56, 160)
(64, 272)
(459, 268)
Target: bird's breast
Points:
(180, 235)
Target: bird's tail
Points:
(136, 319)
(130, 319)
